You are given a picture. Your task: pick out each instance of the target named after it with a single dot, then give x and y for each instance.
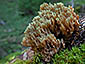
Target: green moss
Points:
(75, 56)
(9, 57)
(18, 61)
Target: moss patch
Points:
(74, 56)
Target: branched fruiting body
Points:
(47, 31)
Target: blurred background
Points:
(15, 15)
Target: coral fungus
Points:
(49, 31)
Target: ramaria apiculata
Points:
(50, 29)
